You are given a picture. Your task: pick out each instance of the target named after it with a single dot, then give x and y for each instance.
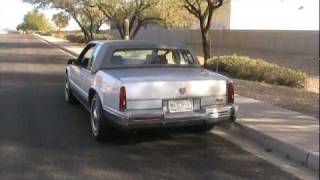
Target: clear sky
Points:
(275, 14)
(245, 14)
(12, 12)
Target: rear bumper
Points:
(156, 118)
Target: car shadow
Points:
(147, 135)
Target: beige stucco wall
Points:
(300, 42)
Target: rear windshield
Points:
(151, 57)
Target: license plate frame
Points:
(180, 105)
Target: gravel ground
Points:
(299, 100)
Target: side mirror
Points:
(71, 61)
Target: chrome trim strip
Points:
(114, 112)
(151, 116)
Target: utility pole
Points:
(211, 52)
(126, 29)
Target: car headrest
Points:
(117, 60)
(151, 58)
(155, 59)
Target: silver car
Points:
(141, 84)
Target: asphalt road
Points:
(42, 137)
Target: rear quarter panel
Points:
(107, 88)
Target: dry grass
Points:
(299, 100)
(313, 84)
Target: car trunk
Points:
(146, 88)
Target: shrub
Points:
(103, 37)
(79, 37)
(59, 35)
(75, 37)
(45, 33)
(243, 67)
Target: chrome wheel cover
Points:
(66, 91)
(94, 117)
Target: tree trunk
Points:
(91, 37)
(86, 35)
(205, 46)
(135, 31)
(84, 31)
(120, 30)
(97, 30)
(91, 28)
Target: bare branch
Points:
(192, 9)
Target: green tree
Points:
(61, 20)
(173, 14)
(91, 17)
(34, 21)
(22, 27)
(203, 10)
(138, 12)
(88, 18)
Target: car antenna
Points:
(211, 54)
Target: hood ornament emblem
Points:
(182, 90)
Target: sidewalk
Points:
(71, 48)
(292, 134)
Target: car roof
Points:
(107, 48)
(138, 44)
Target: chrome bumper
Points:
(157, 118)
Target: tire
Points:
(202, 129)
(100, 127)
(68, 96)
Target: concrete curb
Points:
(269, 143)
(57, 46)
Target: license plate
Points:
(219, 101)
(181, 105)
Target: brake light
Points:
(230, 91)
(122, 99)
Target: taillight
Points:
(230, 91)
(122, 99)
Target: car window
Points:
(87, 59)
(137, 54)
(152, 57)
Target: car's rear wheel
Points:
(101, 129)
(68, 96)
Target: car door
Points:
(74, 76)
(86, 62)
